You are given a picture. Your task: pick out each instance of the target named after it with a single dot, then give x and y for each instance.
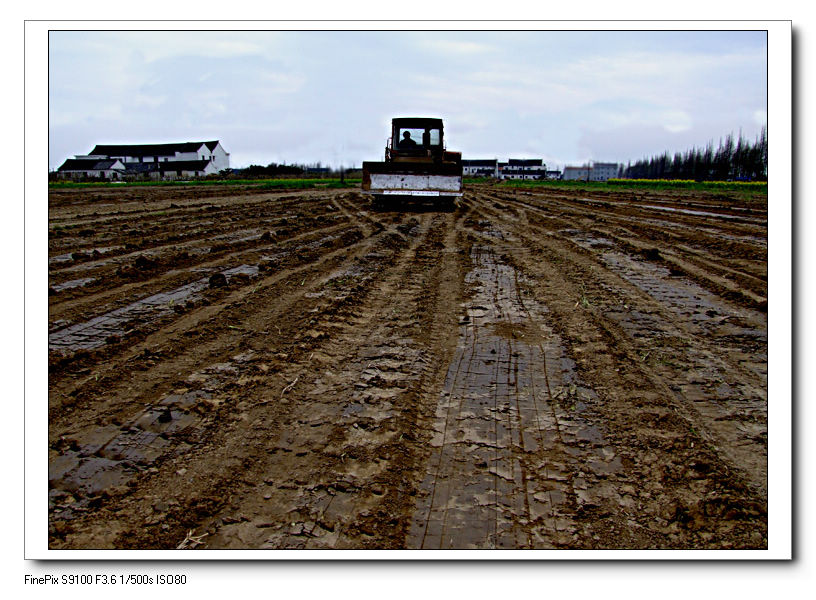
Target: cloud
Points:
(663, 76)
(676, 121)
(160, 45)
(456, 47)
(310, 95)
(616, 114)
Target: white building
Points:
(157, 161)
(93, 166)
(183, 151)
(576, 173)
(171, 169)
(523, 168)
(593, 172)
(480, 168)
(515, 168)
(603, 171)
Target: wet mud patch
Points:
(517, 331)
(67, 285)
(328, 431)
(82, 255)
(89, 468)
(711, 353)
(97, 332)
(345, 393)
(511, 425)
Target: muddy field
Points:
(238, 368)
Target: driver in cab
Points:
(406, 143)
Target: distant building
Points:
(152, 161)
(603, 171)
(99, 167)
(480, 168)
(526, 164)
(523, 168)
(171, 169)
(593, 172)
(576, 173)
(514, 168)
(182, 151)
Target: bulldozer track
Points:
(534, 369)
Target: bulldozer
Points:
(417, 167)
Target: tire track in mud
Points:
(362, 410)
(699, 449)
(162, 302)
(161, 352)
(209, 394)
(722, 386)
(355, 213)
(613, 205)
(495, 377)
(303, 263)
(92, 462)
(187, 222)
(140, 209)
(506, 464)
(699, 310)
(176, 262)
(715, 235)
(631, 230)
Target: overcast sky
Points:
(304, 97)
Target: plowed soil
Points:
(238, 368)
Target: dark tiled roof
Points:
(479, 163)
(150, 149)
(140, 167)
(86, 164)
(525, 162)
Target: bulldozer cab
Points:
(417, 168)
(415, 138)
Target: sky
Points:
(305, 97)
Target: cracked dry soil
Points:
(233, 368)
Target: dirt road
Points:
(239, 368)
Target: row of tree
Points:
(295, 170)
(738, 160)
(270, 170)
